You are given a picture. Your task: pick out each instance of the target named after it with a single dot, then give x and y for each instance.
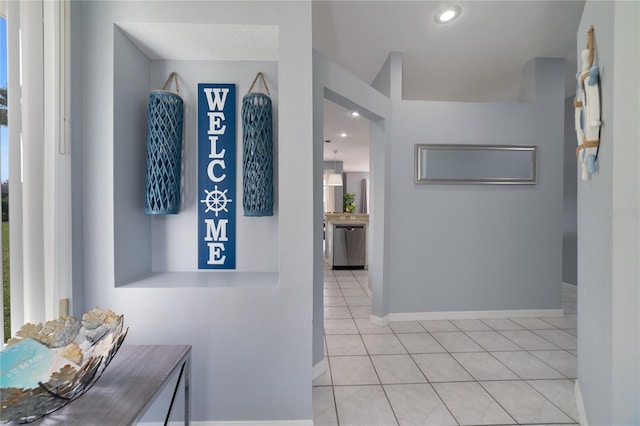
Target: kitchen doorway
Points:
(345, 187)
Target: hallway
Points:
(458, 372)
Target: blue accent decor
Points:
(591, 164)
(593, 76)
(582, 119)
(164, 153)
(257, 155)
(216, 176)
(25, 364)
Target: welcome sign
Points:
(216, 176)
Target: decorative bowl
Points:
(45, 367)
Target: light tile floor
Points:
(458, 372)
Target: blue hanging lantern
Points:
(164, 150)
(257, 153)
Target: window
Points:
(4, 179)
(38, 160)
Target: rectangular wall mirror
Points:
(476, 164)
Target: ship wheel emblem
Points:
(216, 200)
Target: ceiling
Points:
(203, 42)
(479, 57)
(353, 149)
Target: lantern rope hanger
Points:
(173, 75)
(264, 83)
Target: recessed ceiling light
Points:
(448, 14)
(343, 135)
(355, 114)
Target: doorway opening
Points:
(345, 187)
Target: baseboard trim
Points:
(379, 321)
(449, 315)
(582, 413)
(241, 423)
(319, 369)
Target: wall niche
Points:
(161, 251)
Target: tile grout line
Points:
(556, 347)
(376, 372)
(494, 357)
(529, 352)
(533, 331)
(423, 373)
(498, 402)
(496, 331)
(411, 355)
(550, 401)
(551, 366)
(473, 377)
(333, 389)
(395, 416)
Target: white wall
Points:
(474, 247)
(239, 333)
(131, 86)
(570, 198)
(609, 226)
(354, 185)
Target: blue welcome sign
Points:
(216, 176)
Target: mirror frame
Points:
(531, 180)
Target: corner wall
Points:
(478, 247)
(570, 198)
(239, 333)
(609, 226)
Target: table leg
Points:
(187, 391)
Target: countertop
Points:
(347, 218)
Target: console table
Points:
(127, 388)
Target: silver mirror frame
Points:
(530, 180)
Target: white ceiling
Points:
(479, 57)
(353, 150)
(204, 42)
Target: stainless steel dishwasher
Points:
(349, 246)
